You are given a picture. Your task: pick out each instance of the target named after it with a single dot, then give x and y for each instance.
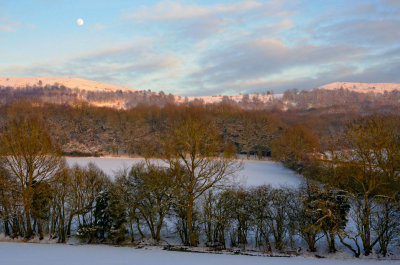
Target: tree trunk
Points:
(6, 228)
(29, 232)
(71, 217)
(189, 212)
(366, 235)
(158, 231)
(40, 230)
(62, 233)
(330, 238)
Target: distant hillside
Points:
(130, 123)
(88, 85)
(362, 87)
(63, 90)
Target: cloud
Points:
(385, 72)
(391, 2)
(201, 29)
(6, 28)
(170, 10)
(99, 27)
(7, 25)
(195, 22)
(362, 32)
(264, 58)
(132, 65)
(199, 48)
(382, 68)
(139, 58)
(338, 72)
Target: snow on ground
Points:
(54, 254)
(254, 173)
(110, 165)
(236, 98)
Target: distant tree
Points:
(295, 145)
(252, 131)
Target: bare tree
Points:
(31, 157)
(194, 151)
(368, 167)
(151, 191)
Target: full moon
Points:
(79, 21)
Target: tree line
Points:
(84, 130)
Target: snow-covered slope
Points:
(89, 85)
(362, 87)
(69, 82)
(236, 98)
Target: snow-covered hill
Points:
(83, 84)
(363, 87)
(69, 90)
(94, 86)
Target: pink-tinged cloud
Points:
(169, 10)
(7, 25)
(6, 28)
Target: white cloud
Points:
(137, 66)
(169, 10)
(99, 27)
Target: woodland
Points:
(348, 153)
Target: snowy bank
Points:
(54, 254)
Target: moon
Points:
(79, 21)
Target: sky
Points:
(198, 48)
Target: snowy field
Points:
(59, 254)
(254, 172)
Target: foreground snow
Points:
(254, 173)
(53, 254)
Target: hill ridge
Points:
(70, 82)
(362, 87)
